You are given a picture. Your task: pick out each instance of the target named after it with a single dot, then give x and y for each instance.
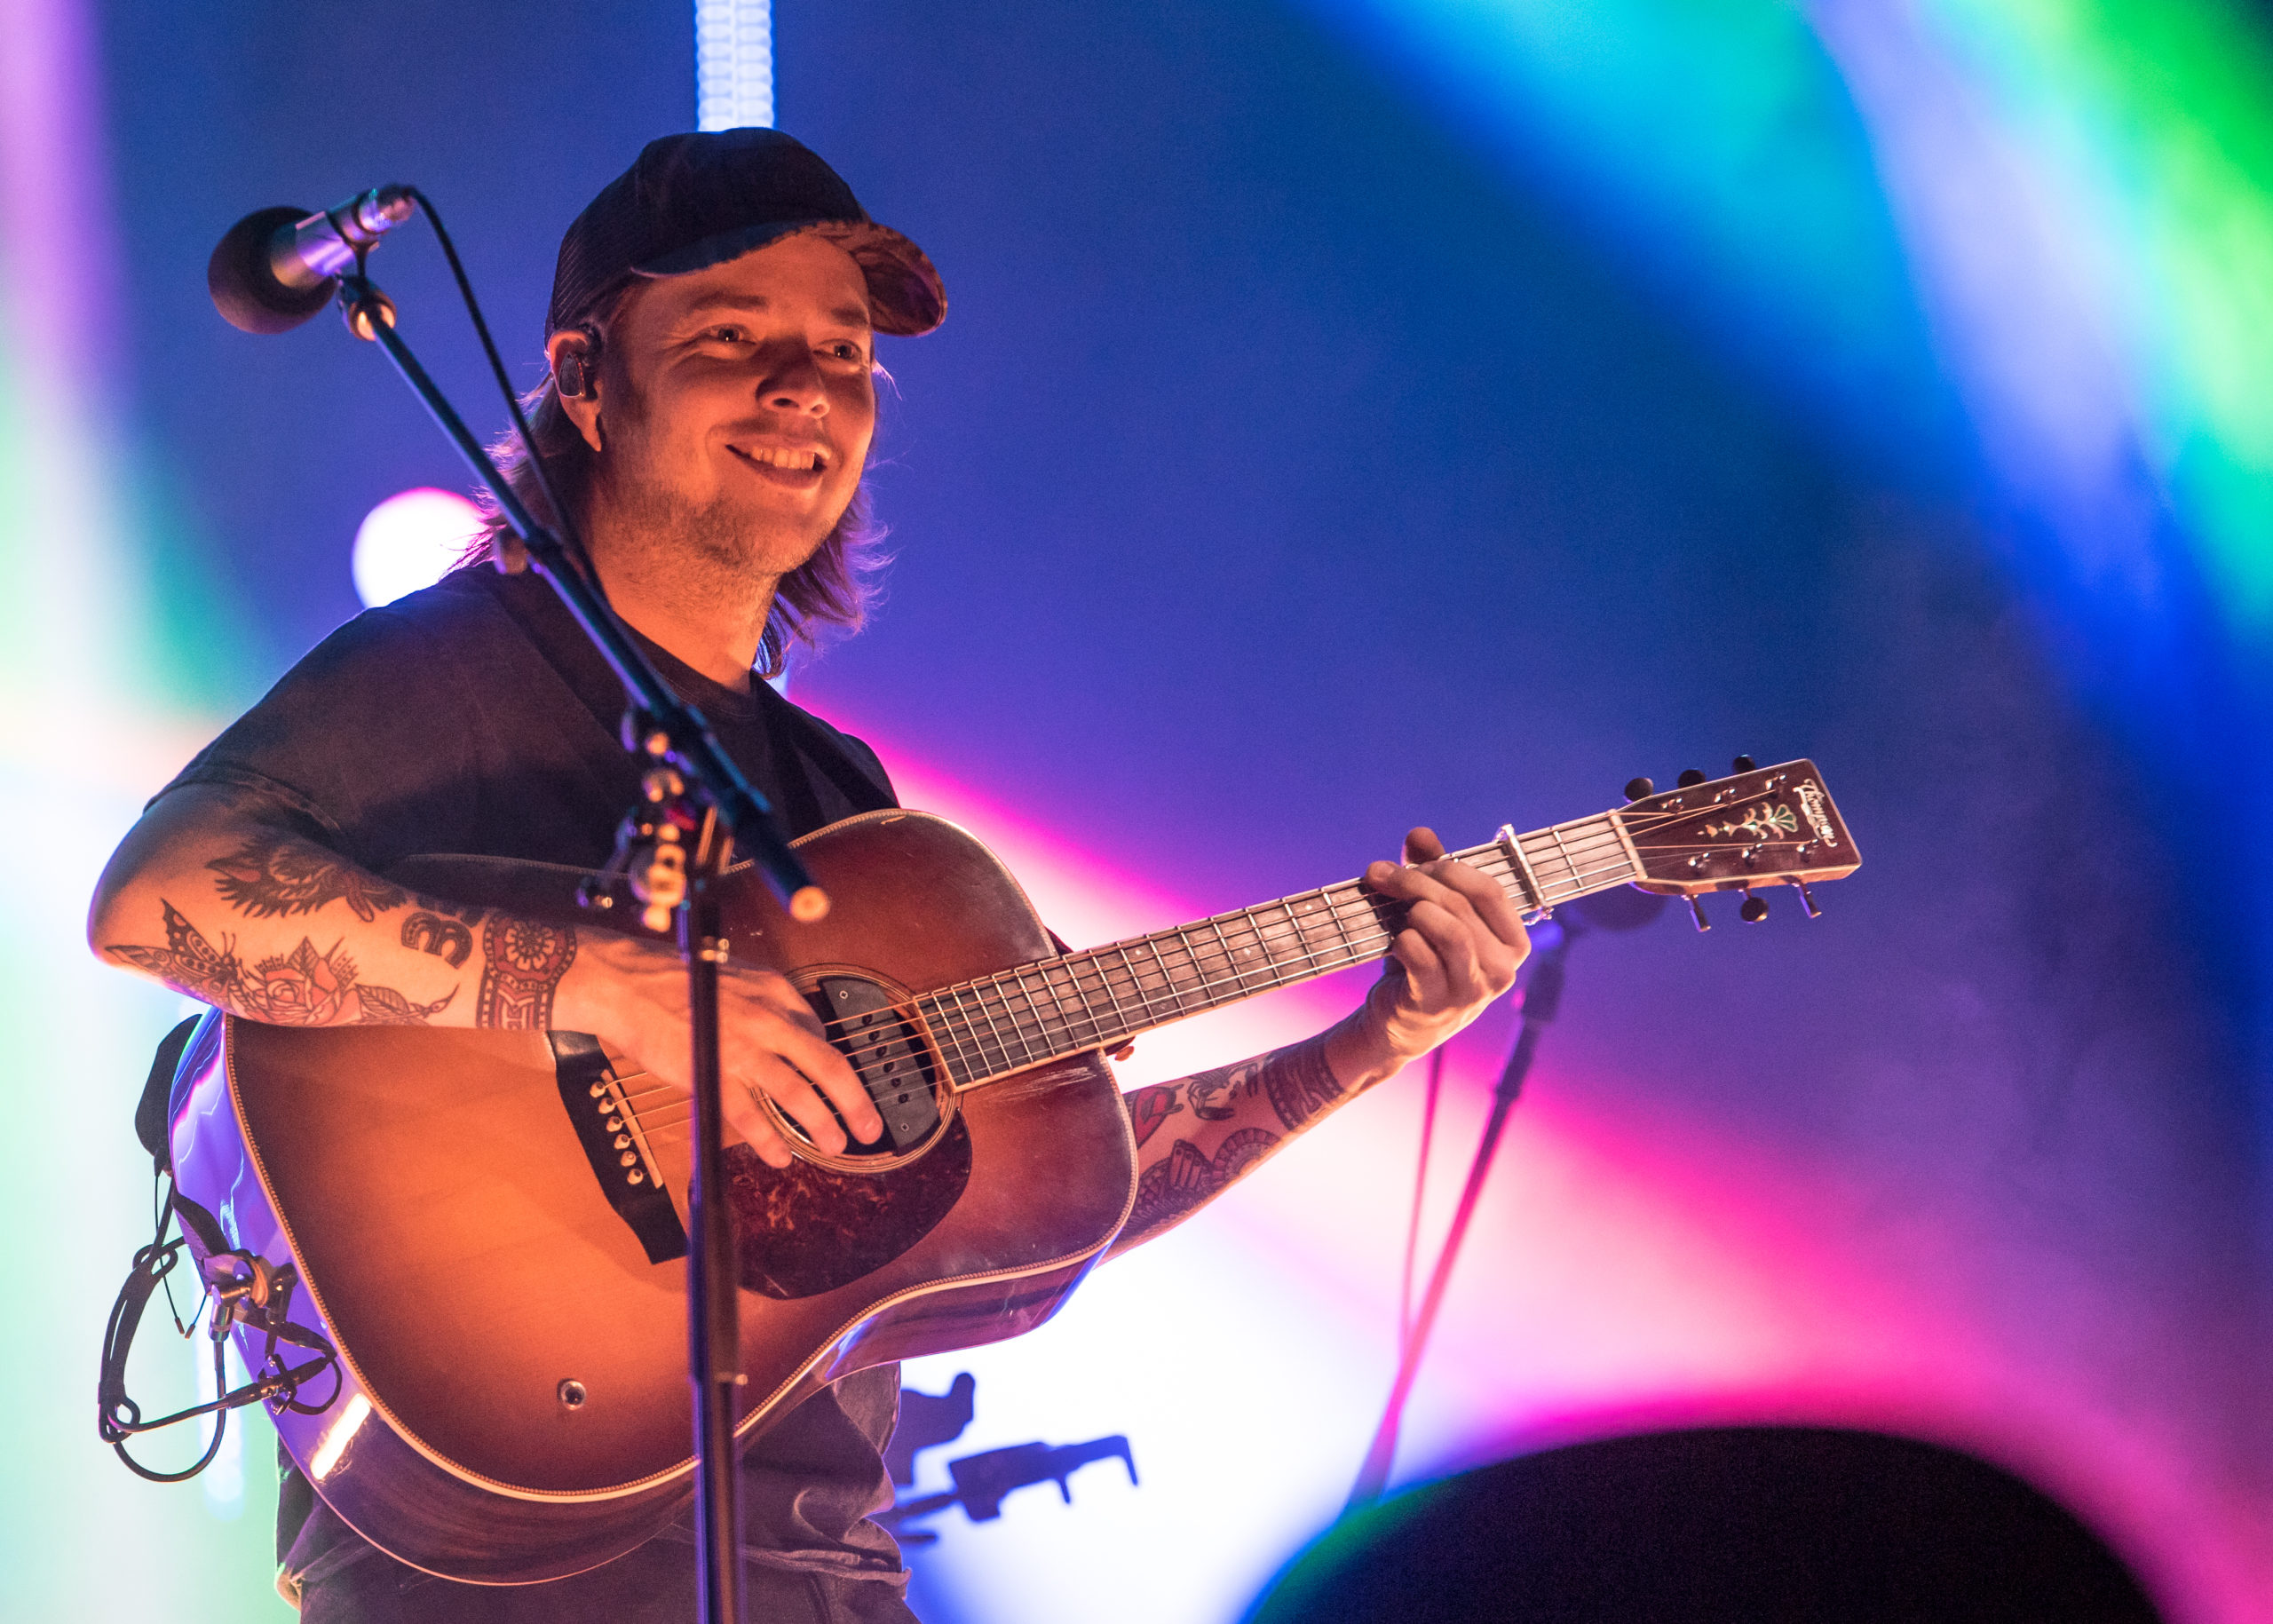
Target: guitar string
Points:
(1349, 954)
(1342, 900)
(1604, 835)
(1209, 984)
(669, 1130)
(1276, 972)
(1270, 936)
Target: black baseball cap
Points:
(699, 199)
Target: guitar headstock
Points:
(1764, 826)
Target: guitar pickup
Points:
(886, 1052)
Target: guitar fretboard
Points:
(1103, 996)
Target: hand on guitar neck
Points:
(214, 894)
(1461, 943)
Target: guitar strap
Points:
(260, 1296)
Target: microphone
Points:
(277, 267)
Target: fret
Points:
(1168, 976)
(1334, 911)
(1043, 1013)
(1286, 905)
(1634, 869)
(1020, 1026)
(978, 991)
(1020, 1018)
(1153, 988)
(1105, 974)
(1231, 959)
(1512, 844)
(1297, 965)
(934, 1014)
(1610, 846)
(990, 1032)
(1119, 1021)
(1586, 838)
(1298, 962)
(1072, 996)
(1064, 1013)
(1257, 949)
(977, 1039)
(1323, 928)
(1562, 855)
(1147, 1002)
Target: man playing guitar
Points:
(708, 423)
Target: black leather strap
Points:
(152, 1111)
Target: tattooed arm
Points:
(1195, 1138)
(216, 894)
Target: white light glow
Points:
(733, 64)
(335, 1441)
(410, 541)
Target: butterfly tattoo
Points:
(300, 988)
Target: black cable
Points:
(118, 1418)
(560, 515)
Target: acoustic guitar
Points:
(488, 1225)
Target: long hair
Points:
(823, 600)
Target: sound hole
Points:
(888, 1056)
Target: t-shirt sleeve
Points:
(367, 741)
(870, 765)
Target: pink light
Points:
(1627, 1271)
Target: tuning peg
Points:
(1807, 900)
(1696, 912)
(1745, 763)
(1755, 909)
(1690, 778)
(1637, 788)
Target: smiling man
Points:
(707, 422)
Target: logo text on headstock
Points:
(1811, 801)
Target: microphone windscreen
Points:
(243, 284)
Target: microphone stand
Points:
(1542, 994)
(686, 766)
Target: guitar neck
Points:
(1100, 998)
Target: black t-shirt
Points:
(474, 718)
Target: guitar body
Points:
(515, 1404)
(484, 1223)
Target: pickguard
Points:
(803, 1230)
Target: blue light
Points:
(733, 63)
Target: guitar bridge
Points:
(627, 1175)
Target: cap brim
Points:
(906, 298)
